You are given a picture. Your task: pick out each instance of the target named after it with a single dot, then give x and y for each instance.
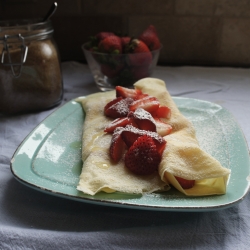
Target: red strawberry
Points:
(111, 71)
(130, 134)
(125, 92)
(149, 103)
(150, 38)
(142, 158)
(143, 119)
(162, 127)
(185, 184)
(125, 40)
(142, 95)
(111, 44)
(109, 104)
(102, 35)
(163, 112)
(117, 145)
(139, 53)
(119, 122)
(95, 40)
(118, 107)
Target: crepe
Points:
(98, 172)
(182, 156)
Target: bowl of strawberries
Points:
(122, 60)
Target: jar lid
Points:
(17, 34)
(29, 29)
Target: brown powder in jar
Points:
(39, 86)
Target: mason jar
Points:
(30, 68)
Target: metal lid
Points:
(29, 29)
(15, 33)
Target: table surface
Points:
(30, 219)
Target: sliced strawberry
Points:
(162, 128)
(185, 184)
(149, 103)
(119, 122)
(109, 104)
(163, 112)
(142, 158)
(117, 145)
(130, 134)
(142, 95)
(118, 107)
(143, 119)
(126, 92)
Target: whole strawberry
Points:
(125, 40)
(95, 40)
(111, 44)
(102, 35)
(111, 70)
(150, 38)
(139, 53)
(142, 158)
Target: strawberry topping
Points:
(125, 92)
(130, 134)
(185, 184)
(143, 119)
(149, 103)
(162, 127)
(137, 129)
(119, 122)
(109, 104)
(142, 158)
(117, 145)
(118, 107)
(163, 112)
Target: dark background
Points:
(193, 32)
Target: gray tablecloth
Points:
(30, 219)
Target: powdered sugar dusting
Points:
(121, 107)
(117, 132)
(154, 135)
(212, 127)
(142, 114)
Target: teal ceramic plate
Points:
(49, 159)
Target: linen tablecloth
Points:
(30, 219)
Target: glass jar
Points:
(30, 68)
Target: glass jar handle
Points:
(6, 50)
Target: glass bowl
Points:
(110, 70)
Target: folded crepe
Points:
(182, 156)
